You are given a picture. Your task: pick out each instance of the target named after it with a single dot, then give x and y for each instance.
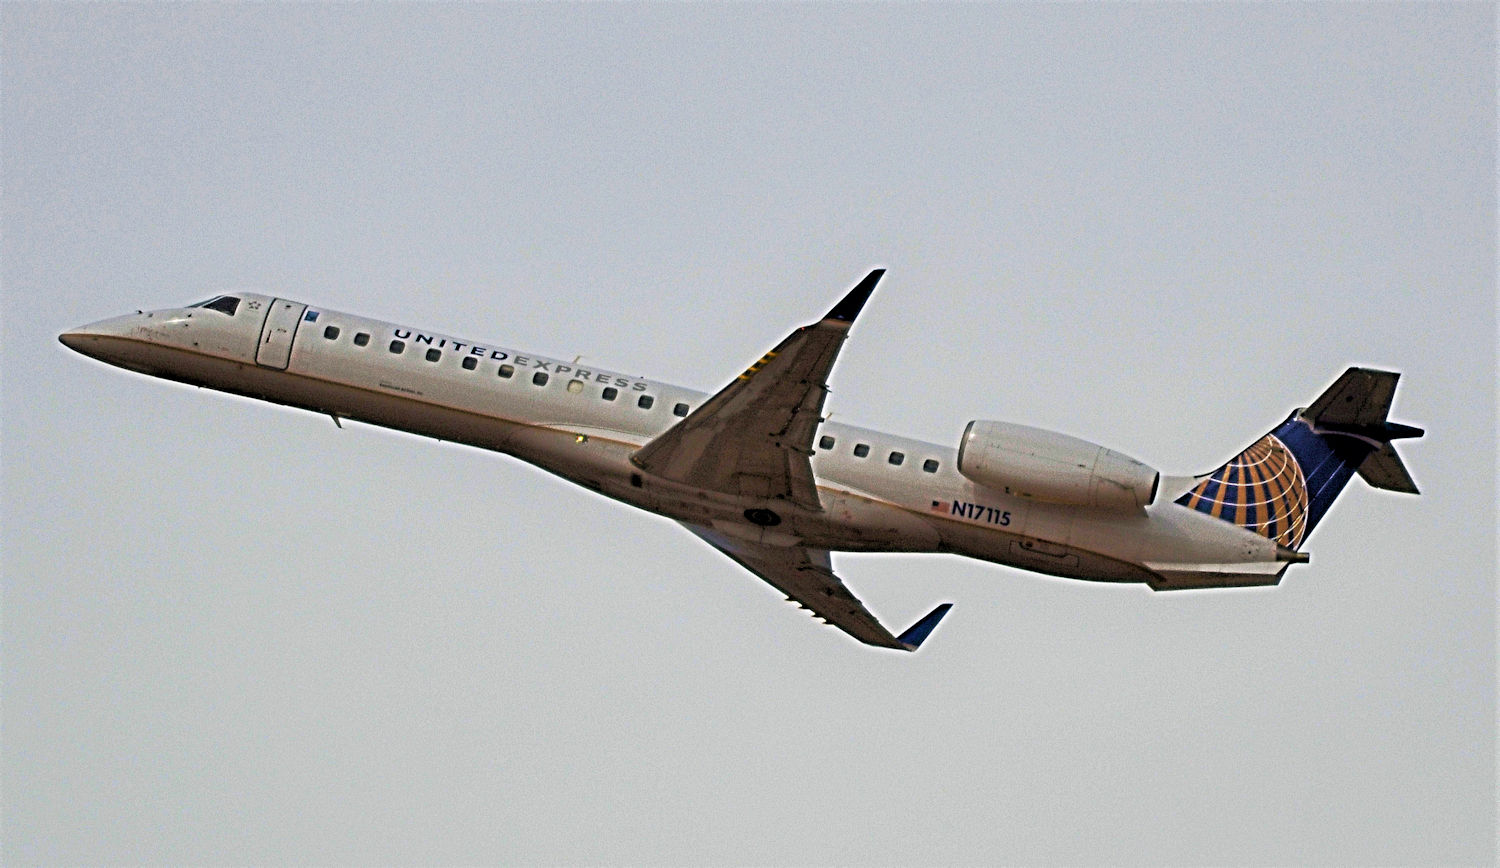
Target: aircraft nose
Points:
(74, 339)
(87, 339)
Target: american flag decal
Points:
(940, 506)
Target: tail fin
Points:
(1283, 484)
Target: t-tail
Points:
(1283, 484)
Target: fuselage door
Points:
(275, 349)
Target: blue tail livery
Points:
(1282, 485)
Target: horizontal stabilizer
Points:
(1383, 469)
(1356, 405)
(1360, 398)
(1358, 401)
(916, 633)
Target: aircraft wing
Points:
(754, 438)
(806, 576)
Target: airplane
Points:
(758, 471)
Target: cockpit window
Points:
(223, 304)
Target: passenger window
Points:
(610, 393)
(470, 363)
(539, 378)
(680, 410)
(861, 450)
(331, 333)
(896, 458)
(398, 347)
(360, 339)
(645, 402)
(825, 442)
(506, 371)
(575, 386)
(930, 465)
(434, 355)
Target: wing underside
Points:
(806, 577)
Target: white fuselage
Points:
(879, 491)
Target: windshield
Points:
(223, 304)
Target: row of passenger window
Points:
(610, 393)
(862, 450)
(540, 378)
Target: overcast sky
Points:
(234, 633)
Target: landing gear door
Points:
(275, 349)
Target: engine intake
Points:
(1048, 466)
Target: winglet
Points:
(911, 640)
(848, 308)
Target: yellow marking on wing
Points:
(757, 366)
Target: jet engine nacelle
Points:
(1045, 465)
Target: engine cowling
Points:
(1048, 466)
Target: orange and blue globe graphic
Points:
(1262, 489)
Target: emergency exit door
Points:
(275, 349)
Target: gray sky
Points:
(235, 633)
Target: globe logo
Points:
(1262, 490)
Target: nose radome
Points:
(84, 338)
